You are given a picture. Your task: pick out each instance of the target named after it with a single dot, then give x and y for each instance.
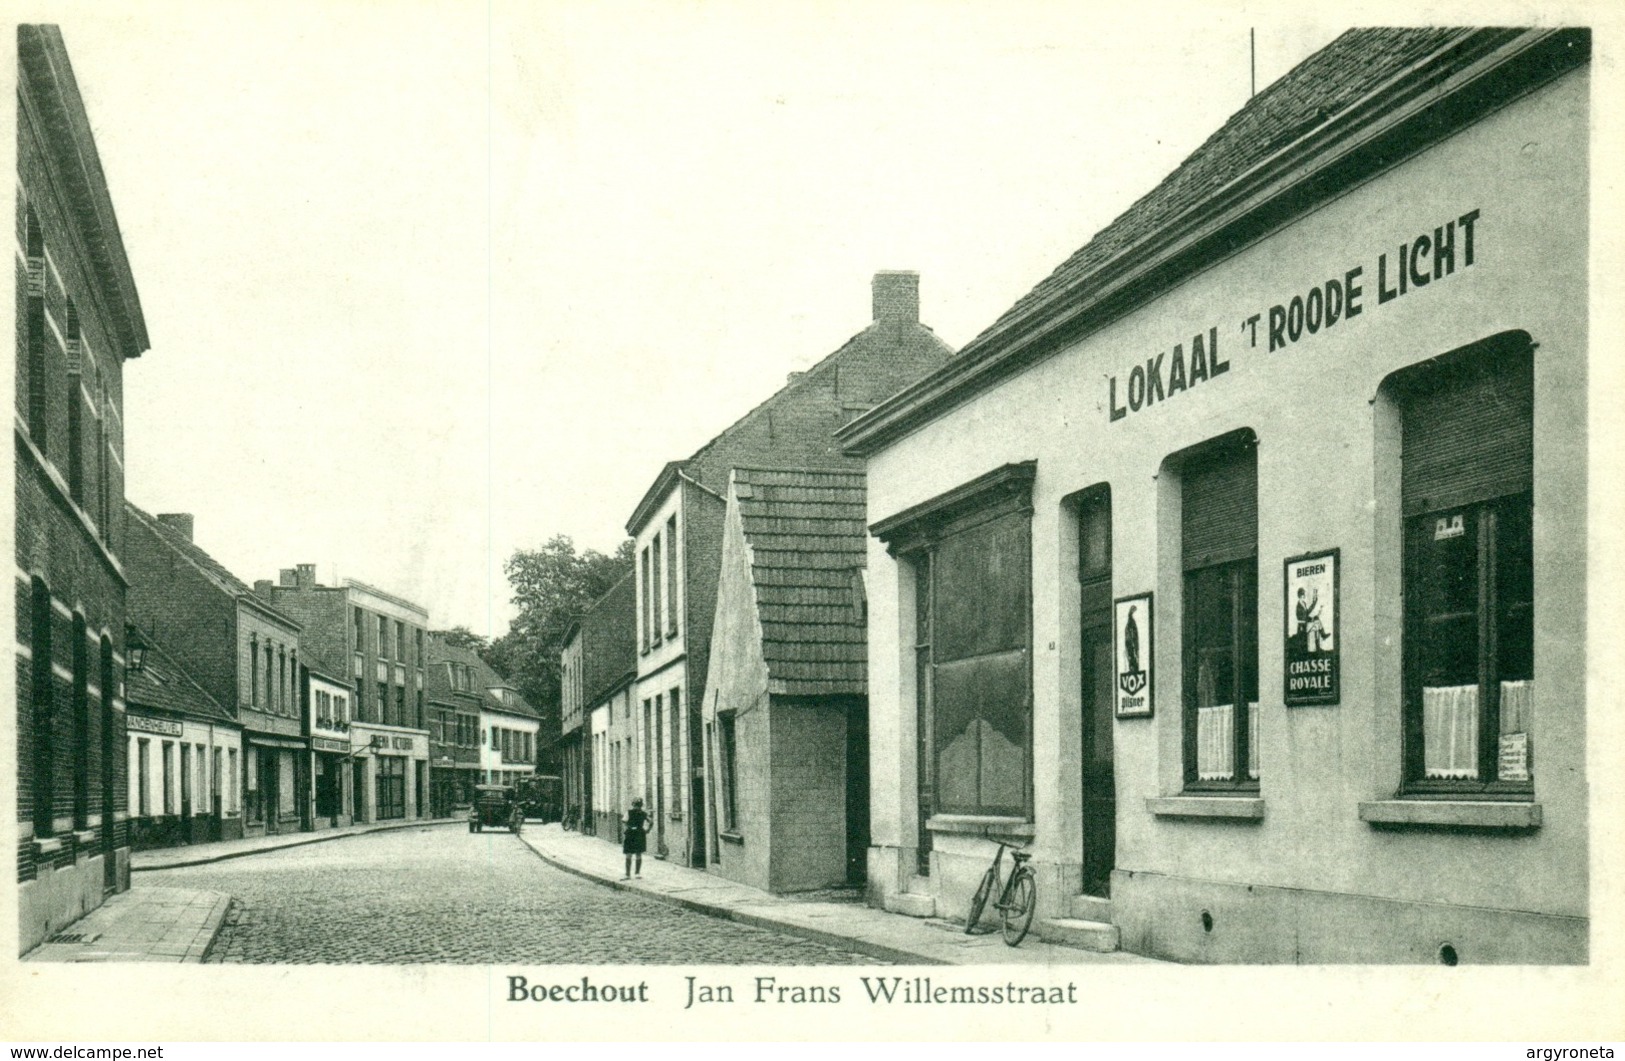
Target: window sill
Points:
(84, 837)
(980, 825)
(732, 838)
(49, 846)
(1242, 808)
(1460, 814)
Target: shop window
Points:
(1466, 484)
(43, 700)
(1219, 556)
(971, 556)
(391, 787)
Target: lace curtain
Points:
(1450, 727)
(1216, 742)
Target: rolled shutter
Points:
(1468, 434)
(1219, 506)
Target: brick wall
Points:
(185, 612)
(808, 808)
(69, 506)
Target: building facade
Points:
(510, 726)
(243, 652)
(786, 711)
(184, 751)
(383, 638)
(77, 320)
(455, 692)
(326, 703)
(608, 667)
(573, 758)
(1240, 567)
(677, 534)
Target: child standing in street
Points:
(634, 838)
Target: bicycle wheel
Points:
(978, 901)
(1017, 910)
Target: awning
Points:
(276, 742)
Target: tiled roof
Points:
(485, 678)
(1322, 85)
(437, 654)
(805, 533)
(162, 685)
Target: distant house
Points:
(456, 692)
(328, 710)
(240, 648)
(510, 726)
(183, 752)
(608, 666)
(677, 532)
(381, 636)
(786, 711)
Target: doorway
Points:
(1095, 644)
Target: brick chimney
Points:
(896, 297)
(306, 576)
(179, 522)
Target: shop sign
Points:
(395, 742)
(328, 744)
(1312, 657)
(143, 724)
(1132, 684)
(1430, 256)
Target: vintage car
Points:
(495, 807)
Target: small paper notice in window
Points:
(1449, 527)
(1514, 761)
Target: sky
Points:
(427, 283)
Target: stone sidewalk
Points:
(850, 925)
(140, 925)
(149, 923)
(202, 854)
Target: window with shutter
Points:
(970, 550)
(1466, 489)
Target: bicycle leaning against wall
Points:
(1016, 900)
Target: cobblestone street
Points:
(442, 894)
